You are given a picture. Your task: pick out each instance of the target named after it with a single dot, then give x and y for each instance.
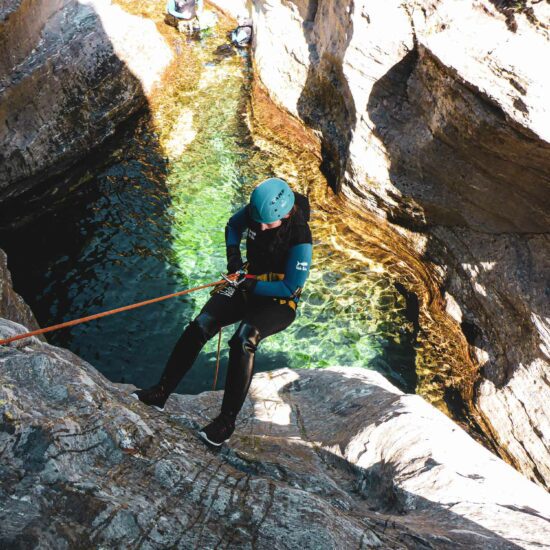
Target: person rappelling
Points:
(262, 295)
(242, 35)
(189, 15)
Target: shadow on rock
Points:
(350, 436)
(326, 103)
(70, 74)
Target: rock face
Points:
(335, 458)
(70, 72)
(434, 115)
(12, 306)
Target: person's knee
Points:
(246, 339)
(206, 325)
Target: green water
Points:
(152, 222)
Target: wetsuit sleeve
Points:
(296, 274)
(235, 228)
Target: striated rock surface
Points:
(335, 458)
(434, 115)
(70, 72)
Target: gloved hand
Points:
(246, 283)
(234, 259)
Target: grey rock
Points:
(70, 73)
(12, 306)
(433, 114)
(335, 458)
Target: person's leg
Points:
(223, 308)
(187, 349)
(260, 321)
(257, 324)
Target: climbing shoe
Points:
(219, 430)
(155, 396)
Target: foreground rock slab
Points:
(334, 458)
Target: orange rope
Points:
(105, 314)
(217, 360)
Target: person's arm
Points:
(296, 273)
(233, 234)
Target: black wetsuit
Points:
(260, 315)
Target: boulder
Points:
(70, 72)
(335, 458)
(433, 114)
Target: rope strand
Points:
(217, 360)
(105, 314)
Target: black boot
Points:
(186, 350)
(154, 396)
(242, 348)
(219, 430)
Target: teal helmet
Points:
(271, 201)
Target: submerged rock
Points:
(435, 116)
(225, 50)
(335, 458)
(70, 73)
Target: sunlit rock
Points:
(233, 8)
(435, 116)
(135, 41)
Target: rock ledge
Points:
(321, 459)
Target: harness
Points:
(292, 303)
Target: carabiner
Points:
(234, 282)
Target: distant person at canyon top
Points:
(263, 297)
(185, 9)
(242, 35)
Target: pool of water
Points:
(151, 222)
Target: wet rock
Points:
(70, 72)
(434, 115)
(335, 458)
(225, 50)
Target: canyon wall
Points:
(320, 458)
(12, 306)
(70, 72)
(433, 114)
